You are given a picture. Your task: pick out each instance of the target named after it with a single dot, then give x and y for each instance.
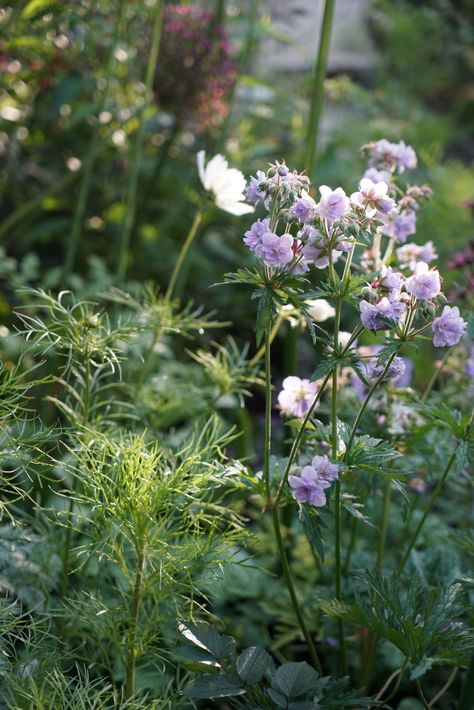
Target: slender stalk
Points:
(467, 690)
(317, 98)
(399, 676)
(445, 688)
(299, 437)
(291, 589)
(372, 639)
(422, 696)
(428, 508)
(183, 253)
(87, 174)
(261, 351)
(434, 376)
(131, 200)
(133, 624)
(268, 419)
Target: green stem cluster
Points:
(130, 662)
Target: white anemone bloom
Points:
(226, 184)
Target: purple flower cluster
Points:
(275, 251)
(399, 225)
(374, 316)
(385, 155)
(410, 254)
(310, 485)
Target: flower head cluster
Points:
(425, 283)
(296, 396)
(410, 254)
(385, 155)
(195, 72)
(310, 485)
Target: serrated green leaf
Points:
(294, 679)
(252, 664)
(279, 699)
(214, 686)
(205, 637)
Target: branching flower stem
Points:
(133, 623)
(131, 200)
(183, 253)
(273, 505)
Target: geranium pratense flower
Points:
(304, 208)
(274, 250)
(390, 279)
(399, 225)
(375, 315)
(378, 175)
(425, 283)
(309, 486)
(333, 203)
(395, 156)
(395, 371)
(372, 197)
(296, 396)
(254, 192)
(410, 254)
(226, 184)
(253, 236)
(448, 328)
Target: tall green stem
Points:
(428, 508)
(183, 253)
(434, 376)
(291, 589)
(130, 206)
(87, 174)
(268, 419)
(317, 97)
(133, 624)
(337, 496)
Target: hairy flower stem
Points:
(317, 97)
(183, 253)
(337, 496)
(131, 200)
(428, 508)
(88, 171)
(291, 589)
(261, 351)
(133, 623)
(435, 375)
(268, 419)
(372, 640)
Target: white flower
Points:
(320, 310)
(226, 184)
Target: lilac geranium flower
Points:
(373, 197)
(253, 236)
(333, 203)
(274, 250)
(296, 396)
(326, 470)
(315, 250)
(410, 254)
(425, 283)
(254, 192)
(375, 315)
(395, 371)
(448, 328)
(390, 279)
(398, 156)
(378, 175)
(304, 208)
(309, 487)
(399, 226)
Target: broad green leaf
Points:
(294, 679)
(206, 637)
(252, 664)
(214, 686)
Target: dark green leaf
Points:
(252, 664)
(294, 679)
(214, 686)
